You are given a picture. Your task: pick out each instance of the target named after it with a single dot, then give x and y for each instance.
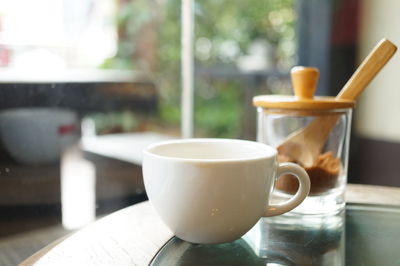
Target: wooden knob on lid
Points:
(304, 81)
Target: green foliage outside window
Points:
(149, 40)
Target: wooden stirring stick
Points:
(305, 145)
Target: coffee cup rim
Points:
(268, 151)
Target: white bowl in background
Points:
(37, 135)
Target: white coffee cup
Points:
(215, 190)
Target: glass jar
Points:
(313, 132)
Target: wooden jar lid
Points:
(304, 80)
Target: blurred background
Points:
(85, 85)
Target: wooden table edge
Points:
(36, 256)
(364, 194)
(369, 194)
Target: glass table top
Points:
(360, 235)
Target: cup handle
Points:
(301, 194)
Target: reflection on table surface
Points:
(361, 235)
